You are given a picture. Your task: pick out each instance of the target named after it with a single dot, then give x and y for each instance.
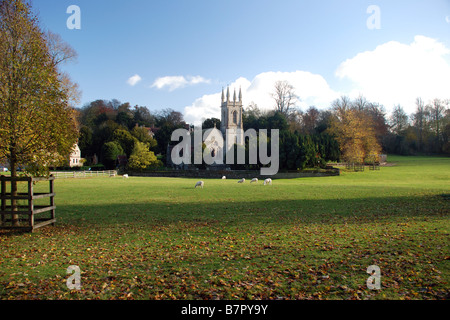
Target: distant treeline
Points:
(350, 130)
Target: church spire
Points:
(228, 94)
(223, 96)
(234, 95)
(240, 94)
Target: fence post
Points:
(3, 200)
(30, 202)
(52, 198)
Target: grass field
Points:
(308, 238)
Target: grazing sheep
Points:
(199, 184)
(242, 180)
(125, 176)
(223, 178)
(268, 181)
(254, 180)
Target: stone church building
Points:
(231, 132)
(231, 126)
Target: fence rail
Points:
(24, 217)
(83, 174)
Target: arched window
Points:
(235, 117)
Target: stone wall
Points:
(235, 174)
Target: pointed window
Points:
(235, 117)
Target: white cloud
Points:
(132, 81)
(176, 82)
(312, 89)
(395, 73)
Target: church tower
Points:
(231, 119)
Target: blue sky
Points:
(184, 52)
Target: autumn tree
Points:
(143, 135)
(355, 132)
(37, 124)
(141, 157)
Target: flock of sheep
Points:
(266, 182)
(201, 183)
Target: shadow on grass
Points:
(329, 211)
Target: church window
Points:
(234, 117)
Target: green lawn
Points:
(308, 238)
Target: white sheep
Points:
(268, 181)
(254, 180)
(242, 180)
(223, 178)
(199, 184)
(125, 176)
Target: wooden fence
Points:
(83, 174)
(24, 217)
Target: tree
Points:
(399, 120)
(377, 114)
(144, 136)
(285, 97)
(342, 104)
(436, 111)
(251, 116)
(167, 121)
(211, 123)
(126, 140)
(419, 121)
(310, 120)
(125, 119)
(355, 133)
(111, 150)
(141, 157)
(85, 141)
(37, 125)
(276, 121)
(289, 151)
(142, 116)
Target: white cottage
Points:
(75, 157)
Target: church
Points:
(231, 126)
(218, 142)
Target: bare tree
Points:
(285, 97)
(437, 110)
(360, 103)
(341, 105)
(419, 120)
(399, 120)
(59, 50)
